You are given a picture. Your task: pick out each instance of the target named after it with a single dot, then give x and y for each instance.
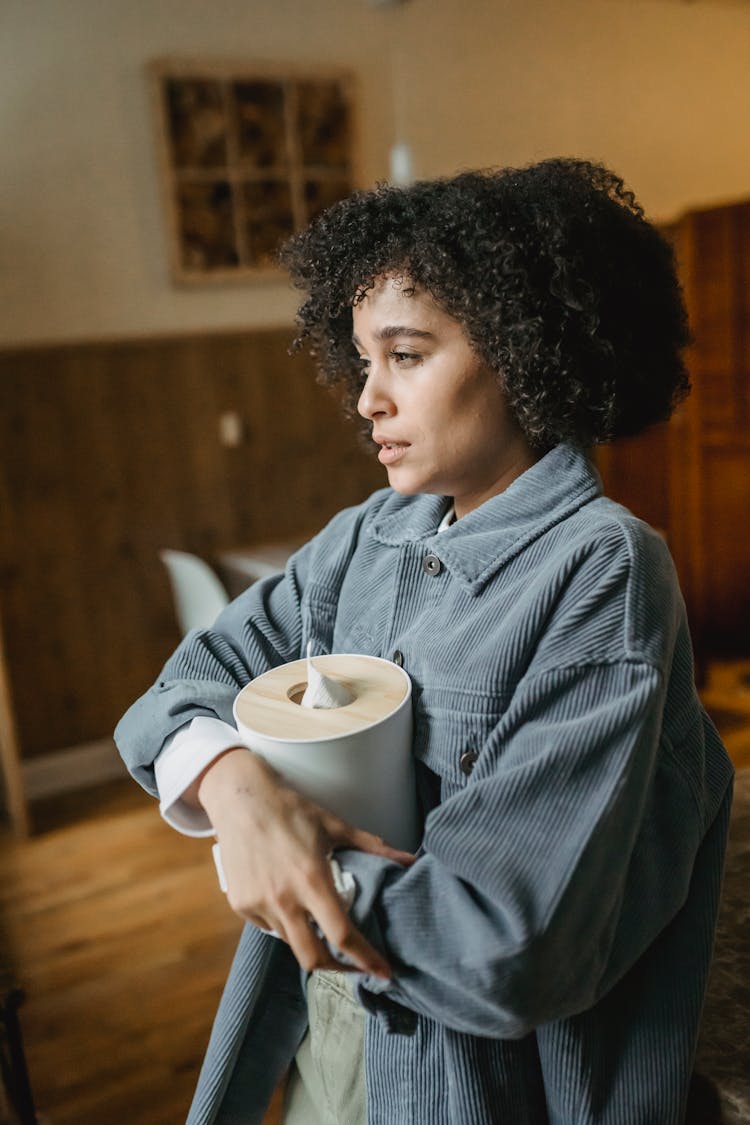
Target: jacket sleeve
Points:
(259, 630)
(543, 880)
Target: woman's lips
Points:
(391, 452)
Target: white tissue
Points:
(322, 691)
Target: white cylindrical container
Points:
(355, 760)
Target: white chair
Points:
(198, 594)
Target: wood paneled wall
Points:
(109, 452)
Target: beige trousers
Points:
(326, 1083)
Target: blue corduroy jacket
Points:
(552, 942)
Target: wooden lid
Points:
(269, 705)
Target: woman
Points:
(544, 956)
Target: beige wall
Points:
(660, 89)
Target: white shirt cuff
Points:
(182, 759)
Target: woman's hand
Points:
(274, 850)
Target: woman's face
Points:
(437, 412)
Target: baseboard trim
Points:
(77, 767)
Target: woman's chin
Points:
(405, 483)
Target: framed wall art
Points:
(248, 155)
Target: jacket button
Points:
(431, 564)
(398, 658)
(467, 760)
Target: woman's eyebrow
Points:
(390, 330)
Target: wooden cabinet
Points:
(692, 477)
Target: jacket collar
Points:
(477, 545)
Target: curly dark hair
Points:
(560, 283)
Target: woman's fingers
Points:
(303, 907)
(264, 923)
(342, 834)
(339, 930)
(274, 845)
(306, 944)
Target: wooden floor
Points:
(121, 939)
(116, 930)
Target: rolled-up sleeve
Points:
(185, 755)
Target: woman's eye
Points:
(404, 357)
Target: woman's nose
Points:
(374, 399)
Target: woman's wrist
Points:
(236, 768)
